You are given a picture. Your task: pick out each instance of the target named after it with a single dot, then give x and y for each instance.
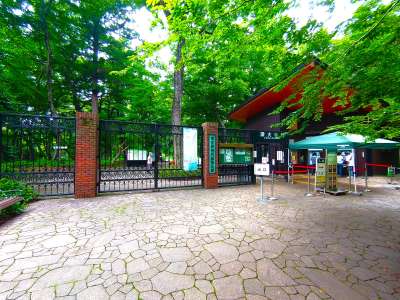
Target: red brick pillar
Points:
(210, 155)
(86, 155)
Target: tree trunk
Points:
(177, 104)
(49, 67)
(95, 62)
(75, 100)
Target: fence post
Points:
(86, 155)
(156, 155)
(1, 141)
(210, 155)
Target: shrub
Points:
(177, 173)
(10, 188)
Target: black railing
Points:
(38, 150)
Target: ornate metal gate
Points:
(40, 151)
(140, 156)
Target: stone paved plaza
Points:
(204, 244)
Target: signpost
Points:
(262, 170)
(320, 175)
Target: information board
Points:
(331, 177)
(235, 156)
(242, 156)
(212, 153)
(320, 173)
(226, 156)
(190, 149)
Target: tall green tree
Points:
(363, 73)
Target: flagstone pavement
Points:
(204, 244)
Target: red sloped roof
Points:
(270, 98)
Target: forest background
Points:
(62, 56)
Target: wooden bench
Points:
(9, 200)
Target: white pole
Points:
(366, 177)
(355, 182)
(315, 177)
(288, 166)
(272, 188)
(262, 188)
(309, 194)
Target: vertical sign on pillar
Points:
(211, 153)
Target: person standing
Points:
(149, 161)
(350, 163)
(340, 162)
(313, 162)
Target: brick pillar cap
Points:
(82, 114)
(210, 124)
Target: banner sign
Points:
(212, 149)
(268, 135)
(190, 149)
(332, 170)
(320, 172)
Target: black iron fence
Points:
(140, 156)
(38, 150)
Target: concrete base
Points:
(263, 199)
(309, 195)
(337, 192)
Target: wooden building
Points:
(255, 114)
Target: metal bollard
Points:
(366, 189)
(308, 194)
(355, 186)
(292, 176)
(391, 177)
(272, 188)
(349, 182)
(262, 198)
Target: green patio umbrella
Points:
(338, 141)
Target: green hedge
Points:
(10, 188)
(166, 173)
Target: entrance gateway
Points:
(126, 148)
(85, 156)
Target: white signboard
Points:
(134, 154)
(280, 156)
(264, 160)
(261, 169)
(190, 149)
(320, 169)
